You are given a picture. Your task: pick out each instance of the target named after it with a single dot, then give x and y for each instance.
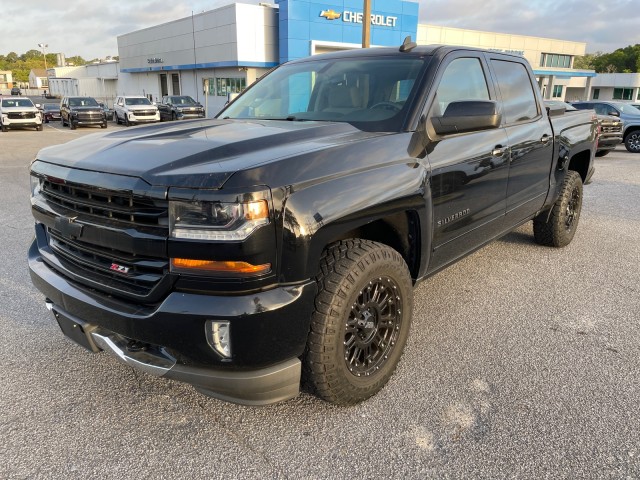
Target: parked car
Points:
(284, 238)
(80, 112)
(19, 112)
(108, 112)
(132, 110)
(609, 127)
(16, 91)
(50, 111)
(629, 115)
(179, 107)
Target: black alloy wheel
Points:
(632, 142)
(360, 323)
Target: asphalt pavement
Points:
(523, 362)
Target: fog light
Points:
(219, 336)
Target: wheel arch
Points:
(580, 163)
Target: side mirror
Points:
(38, 106)
(614, 113)
(467, 116)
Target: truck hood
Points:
(198, 154)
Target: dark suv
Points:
(16, 91)
(629, 115)
(81, 111)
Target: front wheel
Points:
(361, 321)
(557, 227)
(632, 142)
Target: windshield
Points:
(182, 100)
(137, 101)
(369, 93)
(83, 102)
(625, 108)
(19, 102)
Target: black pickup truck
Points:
(280, 242)
(179, 107)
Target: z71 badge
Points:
(119, 268)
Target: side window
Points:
(519, 101)
(463, 79)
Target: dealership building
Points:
(212, 54)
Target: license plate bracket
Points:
(76, 330)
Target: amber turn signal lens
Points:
(256, 210)
(212, 266)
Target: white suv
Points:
(19, 112)
(132, 110)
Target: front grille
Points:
(144, 113)
(86, 116)
(120, 246)
(108, 267)
(118, 207)
(21, 115)
(611, 128)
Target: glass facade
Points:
(555, 60)
(623, 93)
(222, 86)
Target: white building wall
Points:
(531, 47)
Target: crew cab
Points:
(132, 110)
(280, 242)
(19, 112)
(179, 107)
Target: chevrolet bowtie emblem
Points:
(330, 14)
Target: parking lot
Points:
(522, 362)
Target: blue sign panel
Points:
(340, 21)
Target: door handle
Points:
(498, 151)
(545, 139)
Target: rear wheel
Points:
(360, 323)
(632, 142)
(557, 227)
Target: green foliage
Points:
(623, 60)
(21, 65)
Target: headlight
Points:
(216, 221)
(35, 185)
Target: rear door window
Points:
(518, 97)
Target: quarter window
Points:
(518, 98)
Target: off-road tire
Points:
(557, 228)
(356, 304)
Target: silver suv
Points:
(132, 110)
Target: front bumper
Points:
(30, 122)
(269, 331)
(609, 143)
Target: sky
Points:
(89, 27)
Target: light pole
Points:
(43, 46)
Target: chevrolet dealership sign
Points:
(356, 17)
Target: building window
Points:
(557, 91)
(623, 93)
(596, 93)
(221, 87)
(555, 60)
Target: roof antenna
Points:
(408, 45)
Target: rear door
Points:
(529, 135)
(469, 170)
